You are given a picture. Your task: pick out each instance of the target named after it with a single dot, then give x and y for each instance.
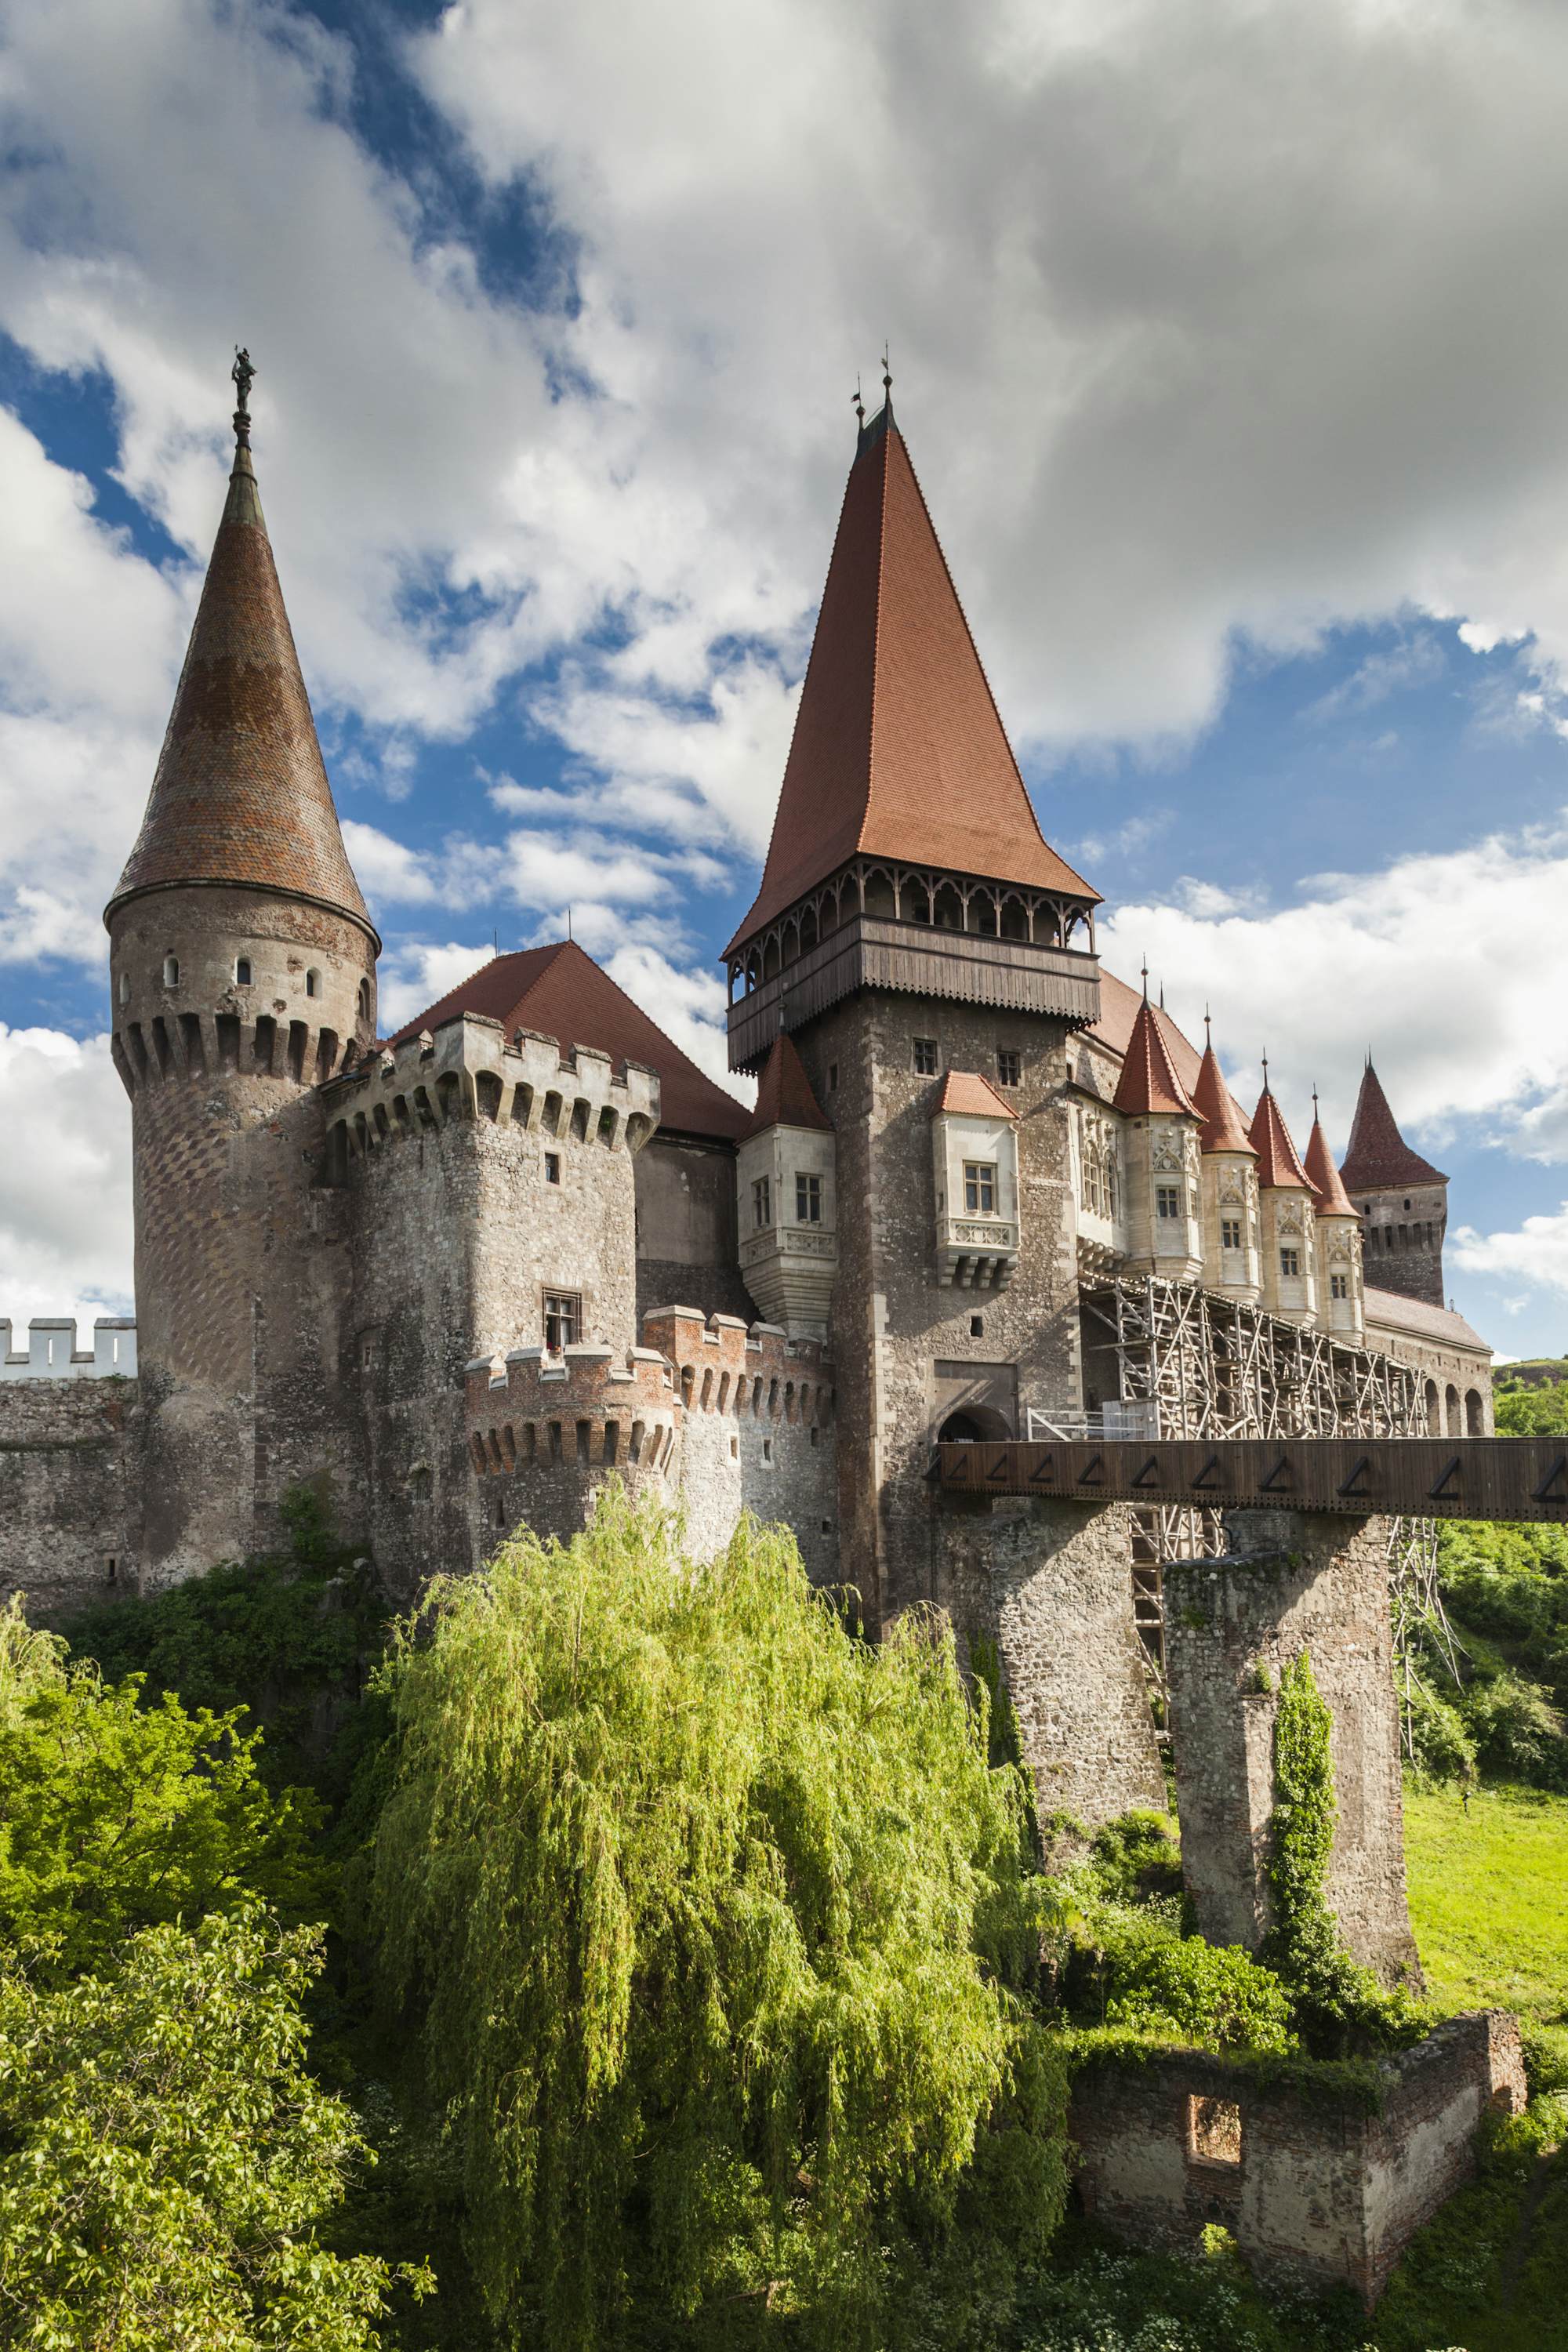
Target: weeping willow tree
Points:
(715, 1923)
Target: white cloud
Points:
(64, 1180)
(689, 1006)
(411, 979)
(1539, 1250)
(1452, 968)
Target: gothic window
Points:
(762, 1202)
(1167, 1200)
(1290, 1261)
(925, 1057)
(1230, 1233)
(562, 1319)
(980, 1187)
(808, 1200)
(242, 971)
(1006, 1067)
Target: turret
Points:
(1164, 1204)
(786, 1206)
(242, 965)
(1289, 1239)
(1228, 1161)
(1340, 1300)
(1401, 1199)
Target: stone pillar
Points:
(1291, 1581)
(1051, 1584)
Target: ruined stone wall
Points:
(1051, 1584)
(1315, 2195)
(892, 1322)
(69, 1497)
(1292, 1581)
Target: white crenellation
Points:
(52, 1354)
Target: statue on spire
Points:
(243, 376)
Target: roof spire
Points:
(1224, 1129)
(1327, 1189)
(1145, 979)
(860, 406)
(1266, 1072)
(887, 380)
(1377, 1157)
(1278, 1163)
(1149, 1081)
(1208, 1029)
(242, 375)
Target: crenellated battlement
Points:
(52, 1354)
(467, 1070)
(723, 1365)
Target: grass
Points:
(1488, 1899)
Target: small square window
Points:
(827, 1527)
(552, 1167)
(925, 1057)
(1167, 1200)
(980, 1187)
(977, 1327)
(808, 1200)
(762, 1202)
(562, 1319)
(1290, 1261)
(1008, 1067)
(1230, 1233)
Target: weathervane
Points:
(859, 403)
(886, 377)
(244, 375)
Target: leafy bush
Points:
(1180, 1989)
(1532, 1410)
(164, 2155)
(1518, 1733)
(712, 1912)
(1440, 1738)
(1137, 1856)
(117, 1815)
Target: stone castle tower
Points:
(243, 975)
(1401, 1199)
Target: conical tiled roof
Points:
(1149, 1080)
(1379, 1159)
(1277, 1163)
(898, 749)
(1224, 1129)
(783, 1092)
(240, 794)
(1328, 1190)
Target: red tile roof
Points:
(1331, 1198)
(1414, 1315)
(562, 993)
(783, 1092)
(898, 749)
(240, 794)
(1118, 1012)
(1224, 1128)
(964, 1092)
(1379, 1159)
(1149, 1080)
(1277, 1163)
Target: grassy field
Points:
(1488, 1899)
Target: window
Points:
(925, 1057)
(808, 1200)
(312, 983)
(171, 972)
(977, 1327)
(767, 1449)
(763, 1201)
(1167, 1200)
(242, 971)
(1230, 1233)
(562, 1319)
(1006, 1067)
(124, 988)
(980, 1187)
(552, 1167)
(833, 1078)
(1339, 1286)
(1214, 2131)
(1290, 1260)
(365, 999)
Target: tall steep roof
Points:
(1378, 1158)
(1329, 1191)
(785, 1098)
(562, 993)
(1224, 1127)
(1149, 1080)
(240, 794)
(898, 749)
(1277, 1163)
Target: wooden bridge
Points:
(1418, 1477)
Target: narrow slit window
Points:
(171, 972)
(552, 1167)
(242, 971)
(312, 982)
(761, 1200)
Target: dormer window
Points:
(312, 983)
(171, 972)
(242, 971)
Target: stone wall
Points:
(69, 1498)
(1292, 1581)
(687, 1241)
(1316, 2195)
(1051, 1584)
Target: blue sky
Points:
(1229, 350)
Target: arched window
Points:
(242, 971)
(312, 983)
(1475, 1415)
(365, 999)
(171, 972)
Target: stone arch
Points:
(1475, 1414)
(975, 1424)
(1434, 1410)
(1451, 1406)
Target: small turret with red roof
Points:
(1338, 1239)
(1229, 1177)
(1287, 1213)
(1163, 1192)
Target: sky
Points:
(1229, 342)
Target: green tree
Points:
(1538, 1410)
(717, 1914)
(115, 1815)
(164, 2155)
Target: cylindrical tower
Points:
(242, 965)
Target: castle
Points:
(457, 1275)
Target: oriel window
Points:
(1167, 1200)
(808, 1200)
(1290, 1261)
(1230, 1233)
(980, 1187)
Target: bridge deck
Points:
(1421, 1478)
